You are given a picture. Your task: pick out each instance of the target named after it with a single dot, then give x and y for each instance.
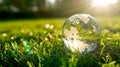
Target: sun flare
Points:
(103, 3)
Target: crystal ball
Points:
(81, 32)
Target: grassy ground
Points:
(38, 43)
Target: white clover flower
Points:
(47, 25)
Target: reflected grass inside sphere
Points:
(81, 32)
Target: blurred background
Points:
(57, 8)
(31, 33)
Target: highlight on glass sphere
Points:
(81, 32)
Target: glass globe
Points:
(81, 32)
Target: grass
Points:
(28, 43)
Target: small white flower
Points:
(4, 34)
(51, 26)
(12, 37)
(47, 25)
(46, 39)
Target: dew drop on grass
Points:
(81, 32)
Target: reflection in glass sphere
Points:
(81, 32)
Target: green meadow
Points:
(38, 43)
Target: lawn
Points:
(38, 43)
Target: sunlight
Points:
(51, 1)
(113, 1)
(100, 2)
(103, 3)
